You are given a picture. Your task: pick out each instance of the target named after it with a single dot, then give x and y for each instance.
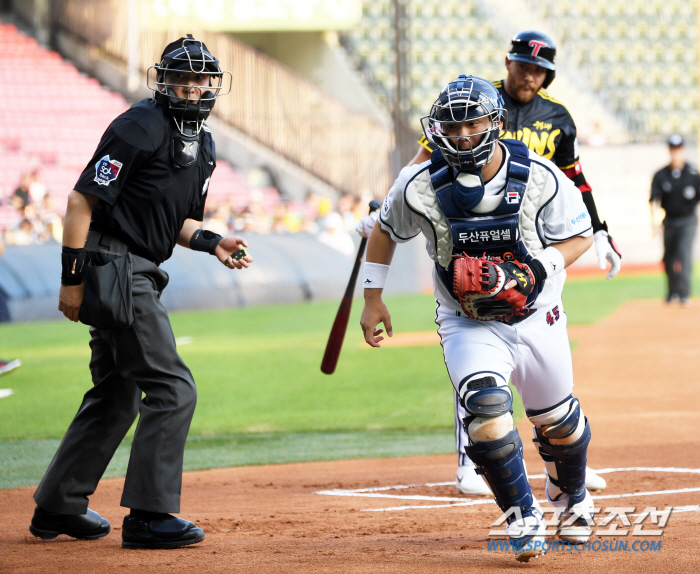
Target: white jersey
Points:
(555, 212)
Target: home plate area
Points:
(435, 495)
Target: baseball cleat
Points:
(594, 481)
(577, 520)
(468, 482)
(527, 536)
(7, 366)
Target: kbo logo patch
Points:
(107, 170)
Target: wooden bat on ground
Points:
(340, 325)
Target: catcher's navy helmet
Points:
(533, 47)
(466, 98)
(193, 56)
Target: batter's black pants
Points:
(126, 363)
(679, 236)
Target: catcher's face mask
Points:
(465, 122)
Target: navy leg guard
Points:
(501, 464)
(570, 462)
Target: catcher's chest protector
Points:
(495, 233)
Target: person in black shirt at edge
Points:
(546, 127)
(676, 189)
(143, 191)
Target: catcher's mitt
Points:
(491, 289)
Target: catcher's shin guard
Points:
(562, 435)
(501, 463)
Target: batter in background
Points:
(499, 219)
(676, 189)
(143, 192)
(546, 127)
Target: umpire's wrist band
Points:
(375, 275)
(551, 260)
(203, 240)
(72, 266)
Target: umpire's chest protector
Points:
(501, 226)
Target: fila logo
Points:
(536, 45)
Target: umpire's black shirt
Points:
(678, 190)
(144, 196)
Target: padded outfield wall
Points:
(287, 269)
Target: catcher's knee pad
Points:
(562, 434)
(501, 464)
(489, 408)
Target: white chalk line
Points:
(5, 393)
(377, 492)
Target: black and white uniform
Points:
(511, 219)
(678, 192)
(144, 198)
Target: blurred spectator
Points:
(346, 209)
(334, 235)
(37, 189)
(50, 219)
(22, 192)
(25, 234)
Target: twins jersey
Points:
(552, 211)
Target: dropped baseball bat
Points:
(340, 325)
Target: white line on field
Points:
(183, 341)
(5, 393)
(378, 492)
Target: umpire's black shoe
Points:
(89, 526)
(164, 532)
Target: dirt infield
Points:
(637, 379)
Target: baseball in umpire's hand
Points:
(230, 245)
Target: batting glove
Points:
(607, 252)
(366, 224)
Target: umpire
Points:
(143, 191)
(676, 189)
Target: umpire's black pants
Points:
(679, 236)
(124, 364)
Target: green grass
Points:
(257, 371)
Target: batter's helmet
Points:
(463, 99)
(192, 56)
(533, 47)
